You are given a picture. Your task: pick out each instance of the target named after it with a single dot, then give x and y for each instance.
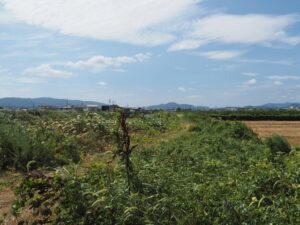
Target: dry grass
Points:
(288, 129)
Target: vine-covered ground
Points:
(182, 168)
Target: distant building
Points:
(105, 108)
(66, 108)
(77, 107)
(136, 110)
(48, 107)
(111, 108)
(91, 108)
(145, 111)
(86, 108)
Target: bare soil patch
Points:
(288, 129)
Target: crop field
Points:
(287, 129)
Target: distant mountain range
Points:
(33, 103)
(173, 105)
(276, 106)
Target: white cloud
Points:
(250, 82)
(194, 96)
(186, 45)
(248, 29)
(276, 77)
(102, 83)
(131, 21)
(224, 68)
(245, 29)
(150, 22)
(6, 17)
(182, 89)
(99, 63)
(267, 61)
(2, 70)
(220, 55)
(30, 80)
(119, 70)
(277, 82)
(249, 74)
(46, 70)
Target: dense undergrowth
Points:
(218, 172)
(254, 114)
(50, 139)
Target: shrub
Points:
(278, 144)
(195, 129)
(17, 149)
(20, 145)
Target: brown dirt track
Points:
(288, 129)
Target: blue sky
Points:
(144, 52)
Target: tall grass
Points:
(217, 173)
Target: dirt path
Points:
(8, 182)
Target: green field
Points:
(166, 168)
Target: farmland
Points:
(288, 129)
(160, 168)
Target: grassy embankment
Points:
(212, 172)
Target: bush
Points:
(17, 149)
(20, 145)
(278, 144)
(195, 129)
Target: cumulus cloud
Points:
(186, 45)
(220, 55)
(131, 21)
(150, 22)
(6, 17)
(100, 62)
(245, 29)
(250, 82)
(242, 28)
(46, 70)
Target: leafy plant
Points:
(219, 174)
(278, 144)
